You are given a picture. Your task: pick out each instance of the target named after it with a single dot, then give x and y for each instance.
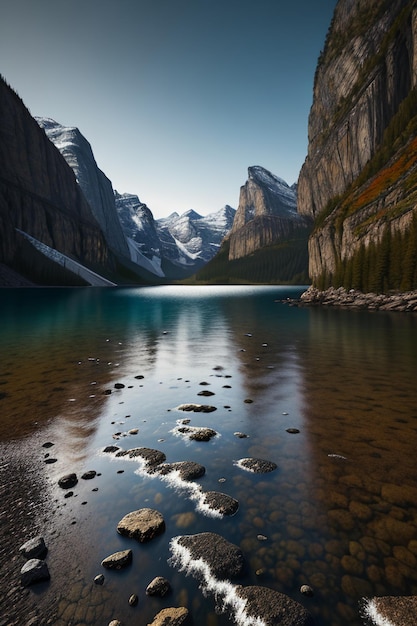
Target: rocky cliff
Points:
(39, 195)
(267, 214)
(95, 185)
(359, 180)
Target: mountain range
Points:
(171, 247)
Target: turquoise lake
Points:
(339, 513)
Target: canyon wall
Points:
(359, 178)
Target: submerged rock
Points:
(143, 525)
(171, 617)
(118, 560)
(258, 466)
(224, 559)
(273, 607)
(34, 571)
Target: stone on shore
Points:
(118, 560)
(352, 298)
(273, 607)
(143, 525)
(171, 617)
(34, 571)
(224, 559)
(34, 548)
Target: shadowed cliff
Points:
(40, 196)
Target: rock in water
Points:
(273, 608)
(117, 560)
(220, 502)
(258, 466)
(171, 617)
(68, 481)
(224, 559)
(34, 571)
(159, 586)
(143, 525)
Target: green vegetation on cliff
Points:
(283, 263)
(390, 265)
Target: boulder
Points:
(34, 571)
(224, 559)
(117, 560)
(272, 607)
(171, 617)
(159, 586)
(143, 525)
(34, 548)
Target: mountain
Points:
(43, 211)
(267, 213)
(359, 180)
(95, 185)
(172, 247)
(190, 240)
(139, 228)
(268, 239)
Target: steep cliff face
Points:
(267, 213)
(355, 182)
(39, 194)
(95, 185)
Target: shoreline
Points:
(354, 299)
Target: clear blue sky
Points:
(176, 97)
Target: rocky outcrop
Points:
(267, 214)
(39, 195)
(355, 181)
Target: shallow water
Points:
(338, 514)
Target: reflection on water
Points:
(340, 511)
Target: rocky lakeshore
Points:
(353, 299)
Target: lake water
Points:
(339, 513)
